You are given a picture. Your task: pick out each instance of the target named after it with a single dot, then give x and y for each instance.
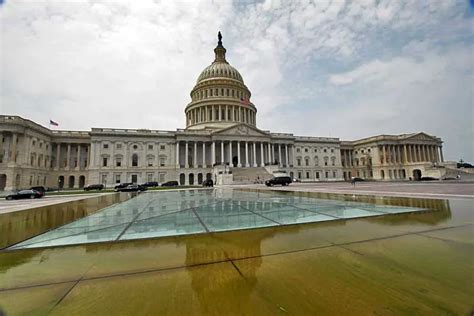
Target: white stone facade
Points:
(221, 136)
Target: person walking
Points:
(353, 181)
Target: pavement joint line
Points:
(234, 259)
(443, 239)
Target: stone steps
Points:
(248, 175)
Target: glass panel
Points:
(167, 225)
(154, 214)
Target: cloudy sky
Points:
(346, 69)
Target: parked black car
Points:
(428, 179)
(132, 188)
(208, 183)
(170, 184)
(151, 184)
(39, 189)
(25, 194)
(94, 187)
(122, 185)
(357, 179)
(278, 180)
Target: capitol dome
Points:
(220, 70)
(220, 98)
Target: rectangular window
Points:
(327, 174)
(162, 147)
(118, 163)
(106, 146)
(119, 146)
(299, 174)
(150, 147)
(317, 175)
(104, 162)
(334, 174)
(104, 178)
(307, 161)
(307, 175)
(162, 162)
(298, 162)
(150, 162)
(161, 177)
(117, 178)
(150, 177)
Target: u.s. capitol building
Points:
(221, 141)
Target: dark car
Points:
(24, 194)
(94, 187)
(122, 185)
(170, 184)
(151, 184)
(40, 189)
(278, 180)
(132, 188)
(357, 179)
(428, 179)
(208, 183)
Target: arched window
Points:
(134, 160)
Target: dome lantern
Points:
(220, 50)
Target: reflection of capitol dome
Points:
(220, 98)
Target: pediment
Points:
(241, 130)
(421, 136)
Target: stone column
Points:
(186, 152)
(68, 157)
(213, 153)
(262, 161)
(293, 155)
(204, 154)
(286, 156)
(219, 117)
(195, 163)
(436, 153)
(405, 156)
(222, 153)
(247, 154)
(279, 156)
(239, 164)
(269, 153)
(79, 157)
(14, 139)
(231, 163)
(273, 153)
(399, 154)
(254, 154)
(177, 155)
(384, 155)
(441, 153)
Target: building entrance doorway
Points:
(417, 174)
(234, 161)
(134, 178)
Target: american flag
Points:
(51, 122)
(245, 101)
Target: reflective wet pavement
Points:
(408, 263)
